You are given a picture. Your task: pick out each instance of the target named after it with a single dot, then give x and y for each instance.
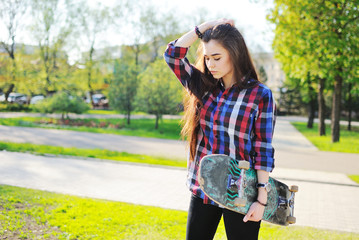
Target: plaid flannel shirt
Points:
(236, 122)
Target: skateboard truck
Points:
(291, 219)
(240, 201)
(289, 203)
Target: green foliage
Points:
(318, 39)
(34, 214)
(123, 88)
(159, 92)
(14, 107)
(62, 102)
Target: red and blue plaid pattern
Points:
(236, 122)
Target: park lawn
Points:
(349, 140)
(91, 153)
(355, 178)
(111, 112)
(101, 111)
(168, 128)
(34, 214)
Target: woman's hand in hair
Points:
(207, 25)
(189, 38)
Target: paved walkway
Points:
(324, 200)
(293, 150)
(323, 187)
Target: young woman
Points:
(228, 112)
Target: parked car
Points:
(36, 99)
(98, 101)
(17, 98)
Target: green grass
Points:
(168, 128)
(91, 153)
(349, 140)
(34, 214)
(101, 111)
(108, 112)
(355, 178)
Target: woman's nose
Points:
(210, 63)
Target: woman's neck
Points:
(228, 80)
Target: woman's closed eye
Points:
(215, 59)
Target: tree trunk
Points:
(13, 71)
(321, 107)
(128, 117)
(350, 107)
(89, 72)
(9, 90)
(311, 105)
(157, 119)
(311, 113)
(11, 52)
(337, 96)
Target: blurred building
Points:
(269, 71)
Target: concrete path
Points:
(324, 200)
(65, 138)
(293, 150)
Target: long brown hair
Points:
(243, 69)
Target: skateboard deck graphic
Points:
(232, 184)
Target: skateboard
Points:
(232, 184)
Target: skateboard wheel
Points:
(293, 188)
(240, 202)
(291, 219)
(243, 165)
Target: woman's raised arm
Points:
(190, 37)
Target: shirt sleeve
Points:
(176, 59)
(263, 133)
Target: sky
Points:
(249, 17)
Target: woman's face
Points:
(217, 60)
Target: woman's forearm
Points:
(190, 37)
(263, 177)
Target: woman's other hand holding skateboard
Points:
(255, 213)
(256, 210)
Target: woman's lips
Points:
(213, 72)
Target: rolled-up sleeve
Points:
(176, 59)
(263, 133)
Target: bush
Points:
(62, 103)
(14, 107)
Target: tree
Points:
(319, 37)
(93, 23)
(123, 88)
(11, 13)
(63, 103)
(262, 74)
(159, 92)
(52, 26)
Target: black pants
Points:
(203, 220)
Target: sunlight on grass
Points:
(92, 153)
(168, 128)
(349, 140)
(355, 178)
(33, 214)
